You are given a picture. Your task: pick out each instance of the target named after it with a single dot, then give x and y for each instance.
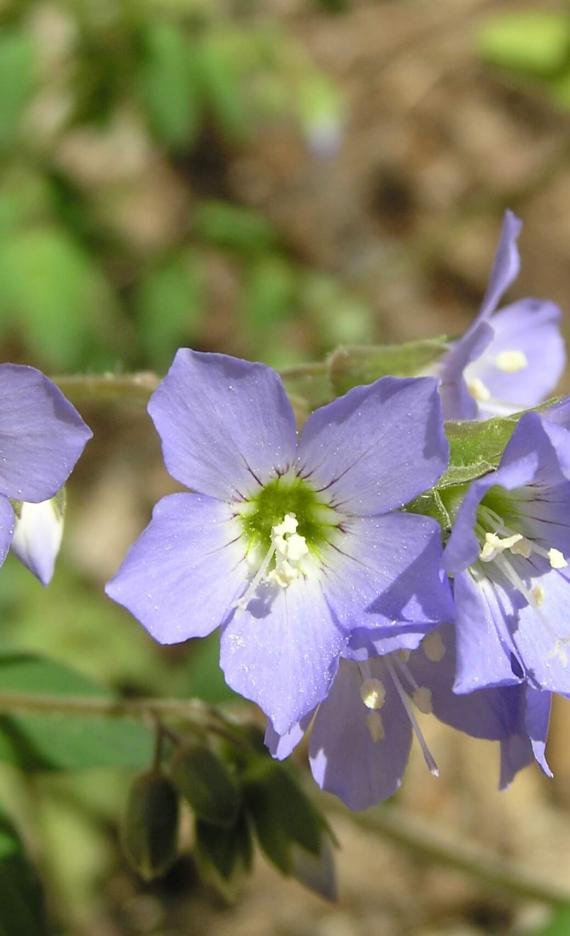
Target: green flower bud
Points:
(149, 830)
(205, 781)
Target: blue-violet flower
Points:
(288, 545)
(361, 734)
(41, 437)
(508, 552)
(508, 360)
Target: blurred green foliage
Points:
(120, 123)
(532, 46)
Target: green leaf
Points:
(169, 90)
(21, 900)
(529, 42)
(50, 288)
(267, 298)
(218, 76)
(282, 814)
(316, 872)
(169, 305)
(430, 504)
(64, 742)
(353, 366)
(205, 782)
(234, 227)
(310, 383)
(559, 925)
(223, 853)
(16, 81)
(475, 448)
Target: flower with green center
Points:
(508, 552)
(507, 360)
(290, 543)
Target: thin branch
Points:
(108, 388)
(190, 710)
(423, 841)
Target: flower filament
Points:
(373, 695)
(499, 544)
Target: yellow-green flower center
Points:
(316, 521)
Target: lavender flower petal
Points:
(184, 573)
(344, 757)
(41, 435)
(377, 447)
(226, 425)
(282, 651)
(385, 571)
(7, 524)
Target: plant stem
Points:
(416, 835)
(190, 710)
(108, 388)
(423, 841)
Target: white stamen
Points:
(372, 693)
(434, 647)
(428, 757)
(511, 361)
(539, 594)
(495, 544)
(404, 655)
(243, 602)
(493, 550)
(556, 559)
(288, 548)
(375, 726)
(522, 547)
(287, 526)
(478, 390)
(422, 699)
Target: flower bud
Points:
(37, 534)
(205, 781)
(149, 830)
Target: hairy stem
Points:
(193, 711)
(425, 842)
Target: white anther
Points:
(283, 573)
(422, 699)
(538, 594)
(373, 693)
(296, 547)
(556, 559)
(375, 726)
(511, 361)
(495, 544)
(290, 548)
(522, 547)
(478, 390)
(287, 526)
(434, 647)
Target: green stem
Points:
(414, 834)
(108, 388)
(190, 710)
(305, 384)
(423, 841)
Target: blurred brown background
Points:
(269, 180)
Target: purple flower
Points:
(507, 552)
(288, 544)
(508, 360)
(41, 437)
(361, 734)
